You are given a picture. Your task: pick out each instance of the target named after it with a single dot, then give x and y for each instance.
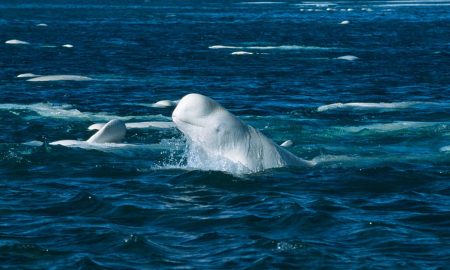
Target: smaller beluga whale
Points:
(218, 140)
(112, 132)
(53, 78)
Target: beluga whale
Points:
(112, 132)
(221, 141)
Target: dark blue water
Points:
(378, 199)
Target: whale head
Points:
(112, 132)
(206, 123)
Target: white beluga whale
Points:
(16, 42)
(51, 78)
(27, 75)
(112, 132)
(164, 103)
(138, 125)
(348, 58)
(219, 138)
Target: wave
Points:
(51, 78)
(68, 112)
(445, 149)
(371, 106)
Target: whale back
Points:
(112, 132)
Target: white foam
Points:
(368, 106)
(241, 53)
(138, 125)
(16, 42)
(196, 158)
(67, 46)
(344, 22)
(41, 25)
(333, 159)
(348, 58)
(52, 78)
(27, 75)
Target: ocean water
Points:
(378, 125)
